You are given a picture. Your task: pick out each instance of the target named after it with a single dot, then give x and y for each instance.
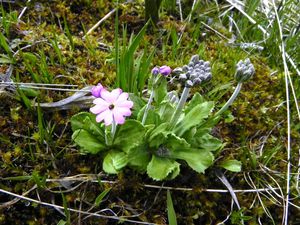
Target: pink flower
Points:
(112, 106)
(96, 90)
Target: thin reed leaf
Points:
(171, 212)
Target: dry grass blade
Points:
(286, 72)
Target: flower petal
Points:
(125, 104)
(108, 118)
(122, 97)
(124, 111)
(116, 92)
(102, 115)
(99, 108)
(107, 96)
(112, 96)
(118, 117)
(100, 101)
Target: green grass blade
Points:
(171, 212)
(101, 196)
(5, 46)
(117, 53)
(66, 210)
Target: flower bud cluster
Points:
(196, 72)
(244, 70)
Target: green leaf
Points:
(114, 161)
(87, 142)
(138, 103)
(232, 165)
(144, 69)
(159, 135)
(30, 57)
(87, 121)
(160, 91)
(129, 135)
(160, 129)
(196, 100)
(138, 158)
(5, 46)
(101, 196)
(137, 40)
(62, 222)
(174, 142)
(199, 160)
(4, 59)
(152, 116)
(165, 110)
(194, 117)
(171, 212)
(160, 168)
(24, 98)
(29, 92)
(66, 210)
(38, 179)
(206, 141)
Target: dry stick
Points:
(298, 175)
(73, 210)
(92, 178)
(217, 32)
(56, 89)
(99, 22)
(39, 84)
(7, 204)
(292, 63)
(188, 20)
(180, 10)
(23, 11)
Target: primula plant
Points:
(163, 132)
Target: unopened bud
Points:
(244, 70)
(165, 70)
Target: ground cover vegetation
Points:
(149, 112)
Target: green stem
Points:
(231, 100)
(180, 106)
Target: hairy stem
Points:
(231, 99)
(113, 129)
(148, 107)
(180, 106)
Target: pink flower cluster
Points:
(110, 106)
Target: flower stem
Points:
(148, 107)
(105, 136)
(180, 106)
(113, 128)
(231, 99)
